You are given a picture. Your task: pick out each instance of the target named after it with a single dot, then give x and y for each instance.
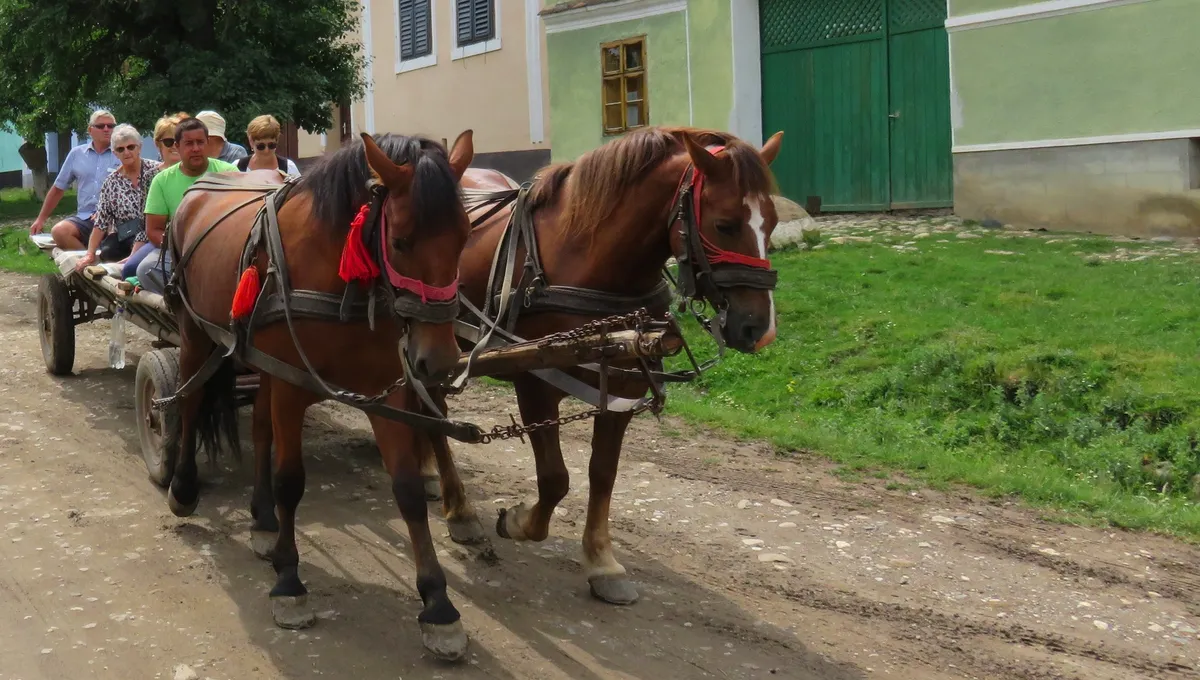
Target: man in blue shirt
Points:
(87, 165)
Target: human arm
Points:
(66, 175)
(156, 212)
(93, 245)
(52, 198)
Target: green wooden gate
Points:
(861, 89)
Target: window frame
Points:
(426, 60)
(622, 73)
(471, 49)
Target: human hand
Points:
(37, 226)
(84, 261)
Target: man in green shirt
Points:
(166, 192)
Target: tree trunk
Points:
(34, 156)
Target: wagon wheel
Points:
(57, 324)
(158, 377)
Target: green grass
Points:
(21, 204)
(1053, 375)
(18, 254)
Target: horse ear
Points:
(770, 150)
(396, 178)
(463, 152)
(704, 160)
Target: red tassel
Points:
(356, 261)
(247, 293)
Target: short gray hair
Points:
(124, 132)
(98, 114)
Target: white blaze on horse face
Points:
(760, 238)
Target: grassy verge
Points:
(18, 254)
(21, 204)
(1046, 368)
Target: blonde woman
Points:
(164, 137)
(263, 135)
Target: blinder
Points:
(702, 276)
(412, 299)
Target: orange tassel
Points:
(356, 261)
(247, 293)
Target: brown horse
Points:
(414, 184)
(609, 222)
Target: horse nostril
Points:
(752, 331)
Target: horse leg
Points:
(605, 574)
(264, 530)
(184, 493)
(537, 402)
(289, 597)
(441, 625)
(461, 519)
(430, 472)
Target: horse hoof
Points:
(292, 613)
(614, 589)
(179, 509)
(467, 531)
(501, 527)
(447, 642)
(433, 488)
(263, 543)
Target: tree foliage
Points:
(145, 58)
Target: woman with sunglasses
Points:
(263, 134)
(164, 141)
(121, 207)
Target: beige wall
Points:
(486, 92)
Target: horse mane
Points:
(598, 182)
(338, 182)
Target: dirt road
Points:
(750, 566)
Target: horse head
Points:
(423, 231)
(723, 234)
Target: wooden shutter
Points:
(462, 19)
(421, 28)
(482, 20)
(474, 19)
(414, 28)
(405, 9)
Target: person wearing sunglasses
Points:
(263, 135)
(120, 212)
(87, 165)
(164, 138)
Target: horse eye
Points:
(729, 228)
(402, 244)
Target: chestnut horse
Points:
(608, 223)
(413, 185)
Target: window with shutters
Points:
(415, 46)
(623, 85)
(476, 27)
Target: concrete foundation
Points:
(1131, 188)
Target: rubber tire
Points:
(157, 377)
(56, 324)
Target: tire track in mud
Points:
(1182, 588)
(948, 633)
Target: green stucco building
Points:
(1063, 113)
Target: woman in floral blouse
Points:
(123, 193)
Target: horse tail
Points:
(217, 417)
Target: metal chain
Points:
(502, 432)
(363, 399)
